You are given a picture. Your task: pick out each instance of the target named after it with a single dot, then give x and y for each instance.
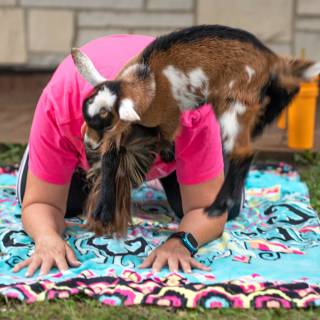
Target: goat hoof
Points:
(97, 227)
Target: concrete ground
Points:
(18, 98)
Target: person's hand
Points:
(174, 254)
(50, 250)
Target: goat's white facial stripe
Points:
(250, 71)
(184, 87)
(312, 71)
(127, 112)
(103, 99)
(230, 126)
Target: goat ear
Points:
(303, 69)
(127, 111)
(87, 68)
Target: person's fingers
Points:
(173, 264)
(46, 266)
(199, 265)
(158, 263)
(185, 265)
(71, 258)
(61, 263)
(148, 261)
(33, 266)
(21, 265)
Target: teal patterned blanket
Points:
(268, 257)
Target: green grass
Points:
(309, 167)
(11, 153)
(81, 307)
(78, 309)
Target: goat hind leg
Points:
(236, 127)
(232, 186)
(240, 159)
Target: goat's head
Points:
(122, 100)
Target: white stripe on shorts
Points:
(20, 173)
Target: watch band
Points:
(187, 240)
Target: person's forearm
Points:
(202, 227)
(41, 219)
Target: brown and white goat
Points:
(247, 84)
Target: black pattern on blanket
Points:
(268, 257)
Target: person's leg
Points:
(172, 191)
(22, 176)
(77, 193)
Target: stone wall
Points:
(39, 33)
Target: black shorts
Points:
(78, 191)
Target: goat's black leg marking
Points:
(280, 98)
(231, 187)
(106, 206)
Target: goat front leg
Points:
(106, 207)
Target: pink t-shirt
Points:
(56, 146)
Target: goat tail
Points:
(304, 70)
(292, 72)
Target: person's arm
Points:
(43, 209)
(194, 199)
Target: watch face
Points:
(192, 240)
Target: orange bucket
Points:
(301, 117)
(282, 120)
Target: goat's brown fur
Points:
(224, 63)
(163, 110)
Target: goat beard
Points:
(136, 151)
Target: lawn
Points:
(81, 307)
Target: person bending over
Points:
(51, 184)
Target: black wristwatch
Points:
(188, 241)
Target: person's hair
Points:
(123, 168)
